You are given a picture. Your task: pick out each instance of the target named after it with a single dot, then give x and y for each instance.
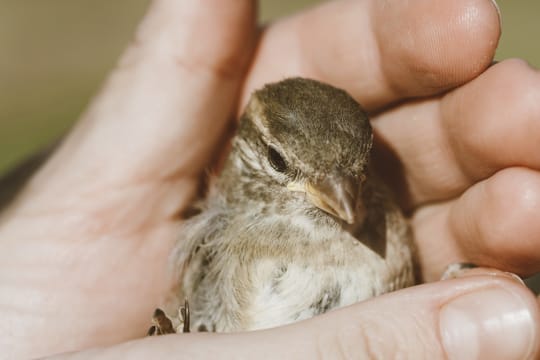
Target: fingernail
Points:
(498, 11)
(463, 269)
(489, 324)
(515, 277)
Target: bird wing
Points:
(187, 261)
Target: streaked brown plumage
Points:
(297, 223)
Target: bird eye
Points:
(276, 160)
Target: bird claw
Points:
(162, 325)
(185, 316)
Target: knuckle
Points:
(374, 337)
(174, 35)
(520, 87)
(223, 66)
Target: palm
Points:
(135, 160)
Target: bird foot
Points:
(163, 325)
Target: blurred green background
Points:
(54, 54)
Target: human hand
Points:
(84, 248)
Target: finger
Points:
(164, 109)
(379, 51)
(494, 223)
(451, 319)
(474, 131)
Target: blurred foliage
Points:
(54, 54)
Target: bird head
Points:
(301, 136)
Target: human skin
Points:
(83, 248)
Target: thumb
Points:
(482, 315)
(165, 108)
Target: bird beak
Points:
(337, 195)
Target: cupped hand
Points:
(83, 249)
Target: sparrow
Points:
(296, 224)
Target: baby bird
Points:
(296, 224)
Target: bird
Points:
(296, 224)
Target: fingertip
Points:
(449, 43)
(497, 321)
(487, 233)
